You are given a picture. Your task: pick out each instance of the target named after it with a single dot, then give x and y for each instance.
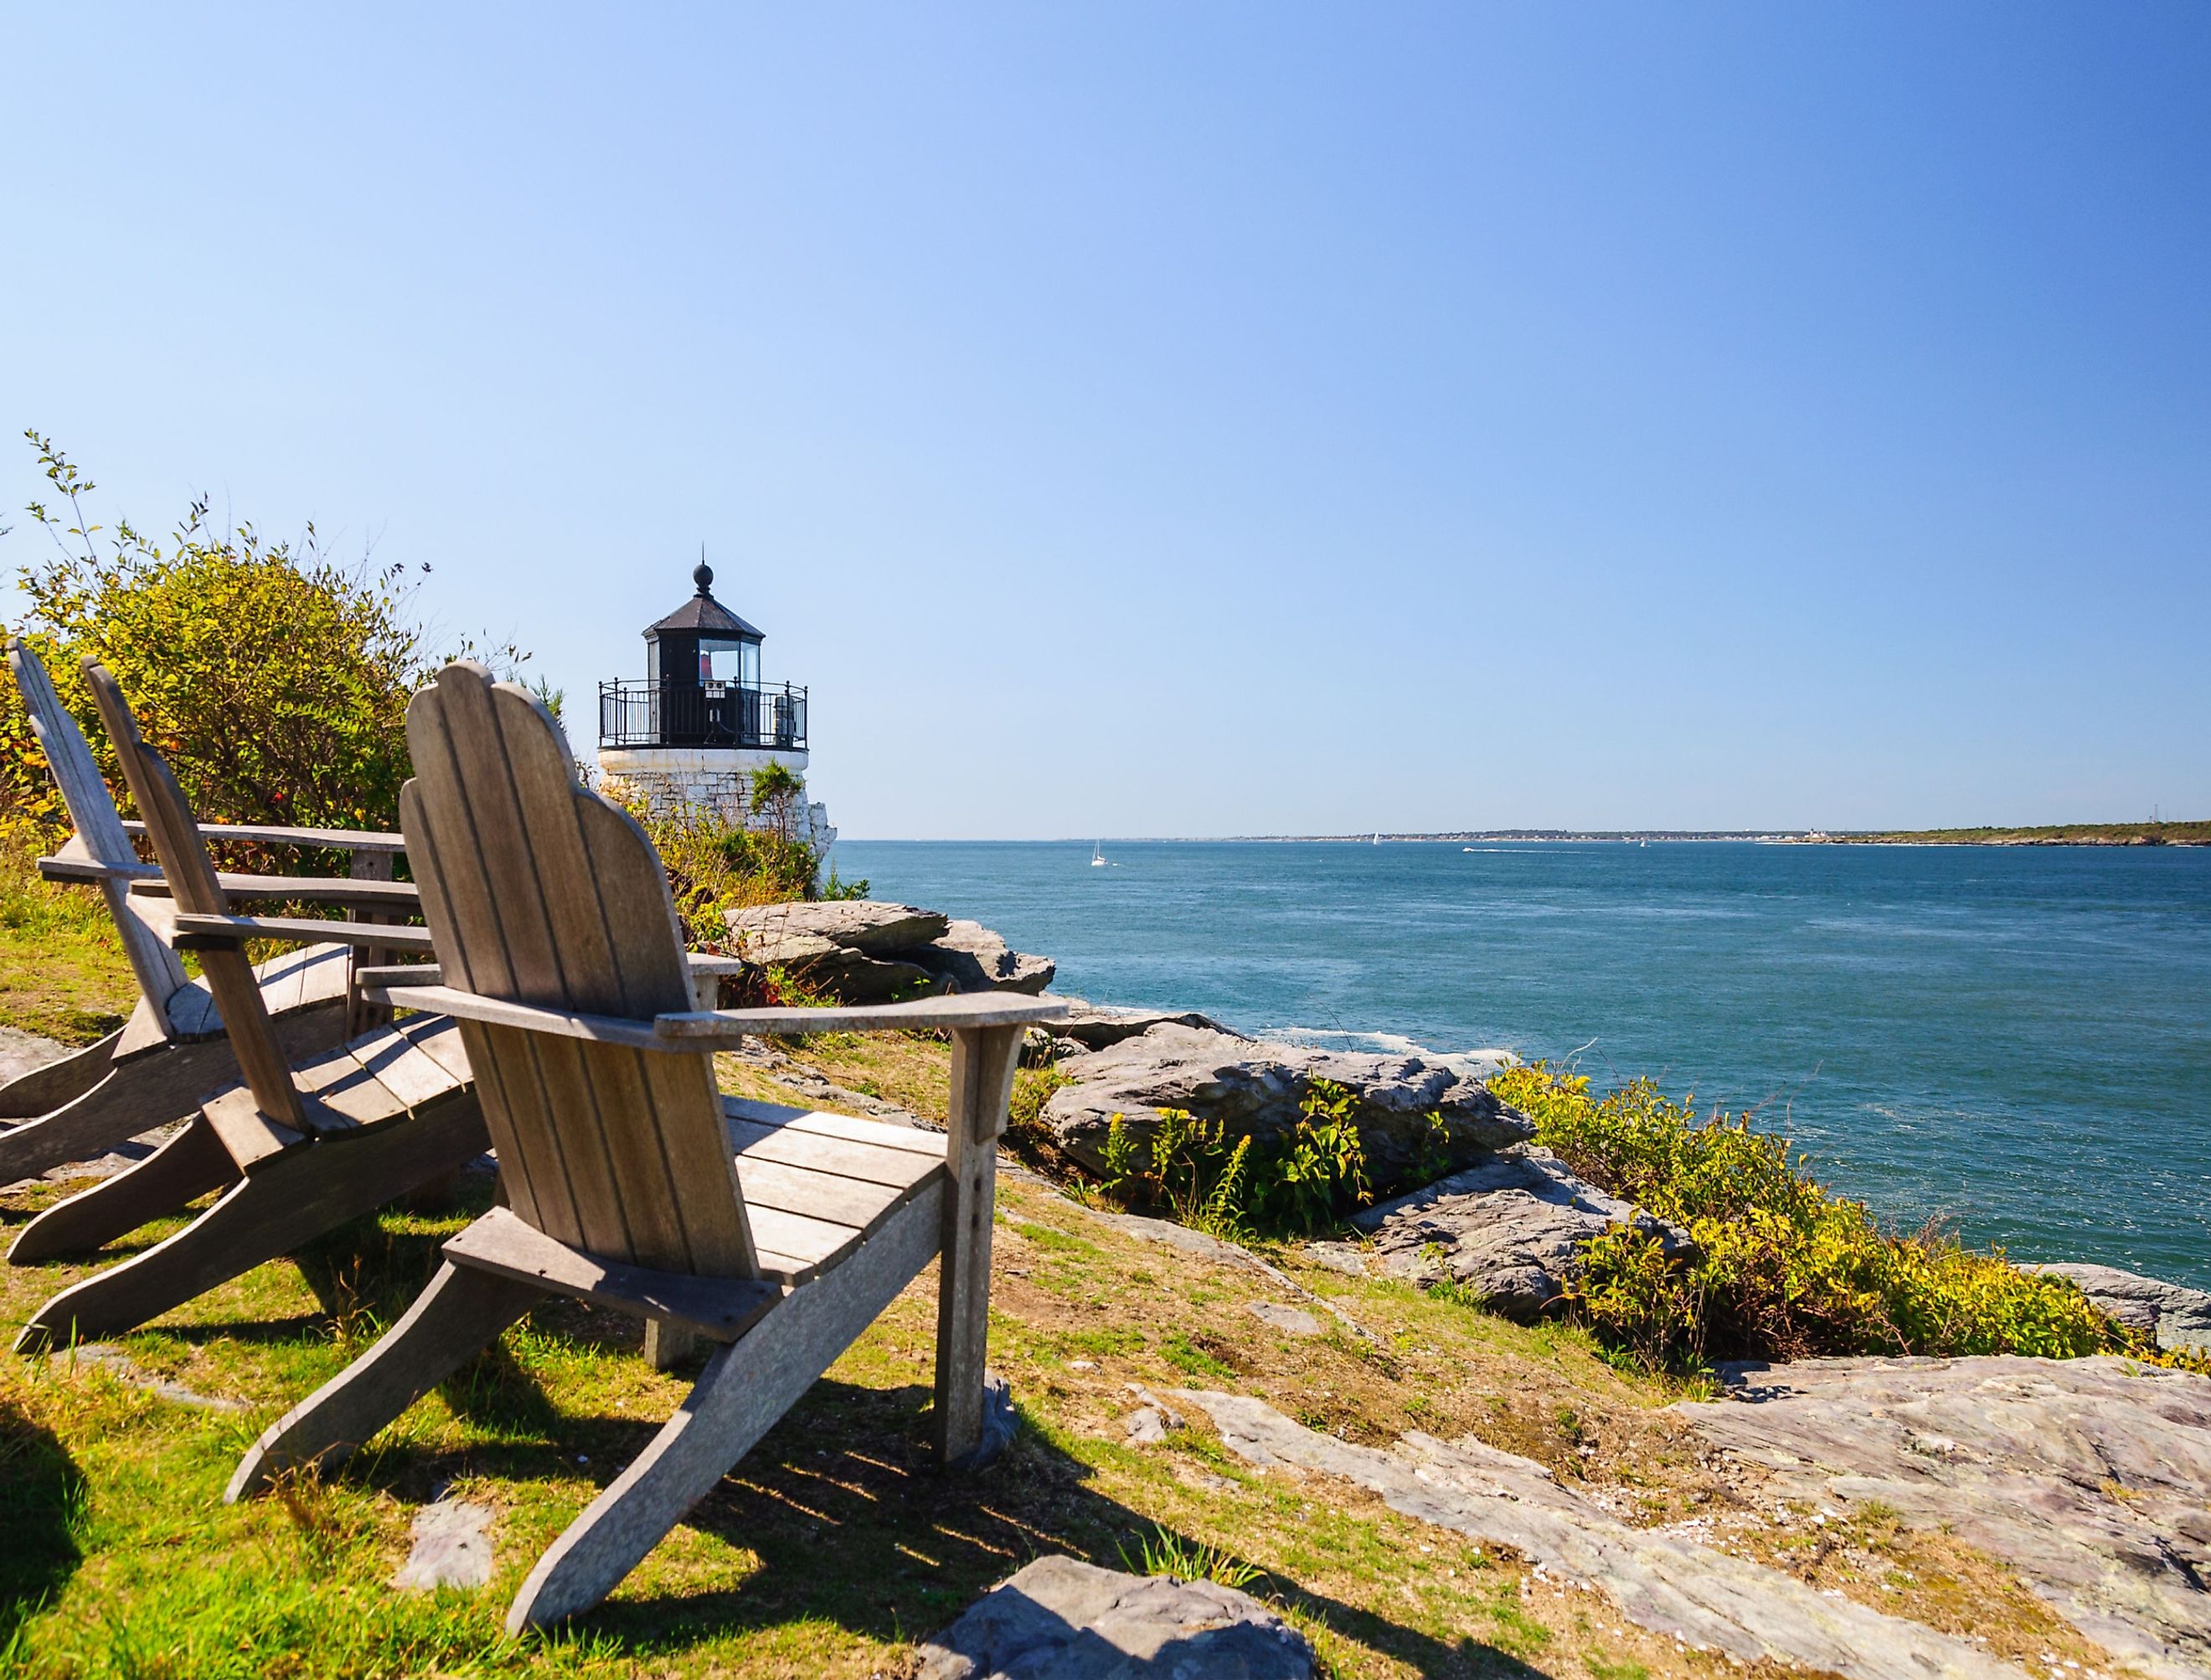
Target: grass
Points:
(62, 972)
(834, 1545)
(828, 1551)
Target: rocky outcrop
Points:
(2091, 1476)
(1088, 1026)
(1511, 1229)
(968, 957)
(865, 951)
(2171, 1315)
(1663, 1581)
(866, 926)
(1068, 1620)
(1256, 1089)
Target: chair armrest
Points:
(328, 840)
(196, 932)
(399, 895)
(75, 870)
(398, 975)
(707, 1029)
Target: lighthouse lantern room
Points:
(703, 722)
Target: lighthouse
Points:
(702, 725)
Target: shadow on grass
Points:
(42, 1495)
(853, 1525)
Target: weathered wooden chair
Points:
(173, 1050)
(300, 1150)
(779, 1235)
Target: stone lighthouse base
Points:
(719, 779)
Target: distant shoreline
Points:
(2079, 834)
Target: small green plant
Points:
(1305, 1181)
(1163, 1552)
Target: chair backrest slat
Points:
(192, 884)
(99, 825)
(540, 892)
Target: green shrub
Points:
(1781, 1269)
(274, 681)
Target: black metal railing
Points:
(702, 715)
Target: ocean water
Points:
(2015, 1041)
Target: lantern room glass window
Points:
(730, 660)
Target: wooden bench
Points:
(779, 1235)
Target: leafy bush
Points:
(1305, 1181)
(1781, 1269)
(273, 680)
(714, 865)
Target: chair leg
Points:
(461, 1312)
(187, 1166)
(746, 1387)
(982, 1063)
(667, 1345)
(287, 1199)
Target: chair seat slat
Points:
(788, 1146)
(852, 1203)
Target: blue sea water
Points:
(2016, 1040)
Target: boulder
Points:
(848, 975)
(1096, 1025)
(1256, 1089)
(1062, 1619)
(1511, 1229)
(2092, 1477)
(862, 951)
(857, 924)
(2169, 1314)
(969, 957)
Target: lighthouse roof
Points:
(704, 615)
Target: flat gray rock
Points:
(21, 1052)
(1256, 1089)
(105, 1356)
(1290, 1320)
(1660, 1580)
(1062, 1619)
(452, 1547)
(2092, 1477)
(1098, 1026)
(864, 951)
(2171, 1315)
(1511, 1229)
(859, 925)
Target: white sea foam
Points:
(1341, 1038)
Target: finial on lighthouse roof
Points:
(703, 575)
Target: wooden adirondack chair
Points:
(174, 1049)
(779, 1235)
(300, 1150)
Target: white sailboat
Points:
(1097, 857)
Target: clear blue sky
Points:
(1143, 420)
